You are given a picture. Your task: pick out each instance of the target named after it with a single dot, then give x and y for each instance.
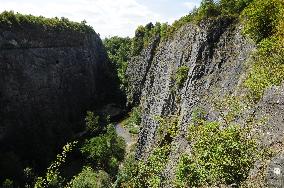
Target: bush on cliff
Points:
(144, 174)
(263, 21)
(144, 35)
(219, 156)
(181, 76)
(222, 152)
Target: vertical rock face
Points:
(48, 80)
(215, 53)
(272, 108)
(137, 72)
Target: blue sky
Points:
(108, 17)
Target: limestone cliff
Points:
(48, 80)
(215, 53)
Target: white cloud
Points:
(108, 17)
(191, 5)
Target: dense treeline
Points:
(9, 19)
(119, 52)
(208, 9)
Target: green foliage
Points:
(126, 176)
(168, 127)
(105, 151)
(137, 41)
(119, 52)
(92, 122)
(264, 24)
(208, 8)
(267, 69)
(134, 120)
(262, 17)
(222, 151)
(16, 19)
(181, 76)
(89, 178)
(229, 109)
(52, 178)
(233, 7)
(144, 173)
(171, 29)
(144, 35)
(219, 155)
(7, 184)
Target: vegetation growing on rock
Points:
(9, 19)
(222, 150)
(144, 173)
(181, 75)
(266, 29)
(219, 156)
(132, 123)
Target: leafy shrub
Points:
(105, 151)
(264, 24)
(89, 178)
(7, 184)
(267, 69)
(144, 173)
(134, 120)
(92, 122)
(233, 7)
(168, 128)
(126, 176)
(181, 76)
(52, 178)
(144, 35)
(262, 17)
(208, 8)
(219, 155)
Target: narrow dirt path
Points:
(124, 133)
(128, 137)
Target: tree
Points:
(105, 151)
(92, 122)
(89, 178)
